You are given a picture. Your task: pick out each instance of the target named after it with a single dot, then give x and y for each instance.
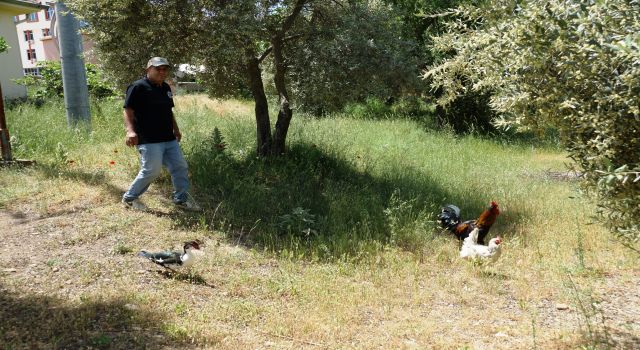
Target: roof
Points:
(20, 7)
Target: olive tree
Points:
(235, 41)
(570, 64)
(353, 51)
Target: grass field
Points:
(332, 246)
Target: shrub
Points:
(3, 45)
(573, 65)
(49, 83)
(467, 113)
(373, 108)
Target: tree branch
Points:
(291, 37)
(266, 52)
(288, 22)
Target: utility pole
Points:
(74, 75)
(4, 133)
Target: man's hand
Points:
(177, 134)
(132, 138)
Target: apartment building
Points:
(37, 38)
(10, 61)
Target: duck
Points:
(173, 259)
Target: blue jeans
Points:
(152, 157)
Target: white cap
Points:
(157, 62)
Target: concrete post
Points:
(74, 75)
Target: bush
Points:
(467, 113)
(406, 107)
(49, 83)
(3, 45)
(573, 65)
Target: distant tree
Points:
(418, 19)
(352, 52)
(570, 64)
(237, 40)
(422, 21)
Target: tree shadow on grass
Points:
(313, 198)
(309, 198)
(42, 322)
(187, 277)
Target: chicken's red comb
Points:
(494, 204)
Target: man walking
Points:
(151, 127)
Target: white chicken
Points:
(472, 250)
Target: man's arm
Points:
(132, 137)
(176, 130)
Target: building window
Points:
(31, 54)
(28, 35)
(46, 32)
(32, 17)
(32, 71)
(48, 13)
(16, 19)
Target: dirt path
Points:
(42, 286)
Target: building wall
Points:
(11, 66)
(36, 27)
(52, 50)
(45, 46)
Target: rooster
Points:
(472, 250)
(450, 219)
(172, 259)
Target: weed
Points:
(122, 249)
(593, 319)
(101, 340)
(298, 223)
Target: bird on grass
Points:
(173, 259)
(450, 219)
(478, 252)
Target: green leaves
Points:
(355, 52)
(3, 45)
(569, 64)
(49, 83)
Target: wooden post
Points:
(5, 141)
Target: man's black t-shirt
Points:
(151, 104)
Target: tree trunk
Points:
(266, 145)
(285, 114)
(263, 125)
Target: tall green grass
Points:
(347, 188)
(40, 131)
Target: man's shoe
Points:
(135, 204)
(189, 205)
